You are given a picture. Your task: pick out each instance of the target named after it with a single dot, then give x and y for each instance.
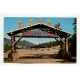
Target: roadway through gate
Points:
(40, 55)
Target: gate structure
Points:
(39, 31)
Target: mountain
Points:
(7, 41)
(25, 43)
(20, 43)
(47, 44)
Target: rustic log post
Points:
(62, 48)
(66, 48)
(13, 50)
(12, 42)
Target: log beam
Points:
(13, 46)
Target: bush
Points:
(72, 47)
(7, 47)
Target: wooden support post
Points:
(14, 42)
(62, 48)
(13, 46)
(66, 47)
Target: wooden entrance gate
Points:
(45, 32)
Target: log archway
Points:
(28, 32)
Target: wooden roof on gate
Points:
(43, 27)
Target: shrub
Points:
(7, 47)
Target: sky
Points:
(11, 24)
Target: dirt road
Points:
(25, 52)
(21, 53)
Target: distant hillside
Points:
(7, 41)
(22, 42)
(25, 43)
(48, 44)
(7, 44)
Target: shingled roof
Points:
(42, 27)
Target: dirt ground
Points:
(24, 55)
(33, 51)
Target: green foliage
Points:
(72, 41)
(7, 47)
(72, 47)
